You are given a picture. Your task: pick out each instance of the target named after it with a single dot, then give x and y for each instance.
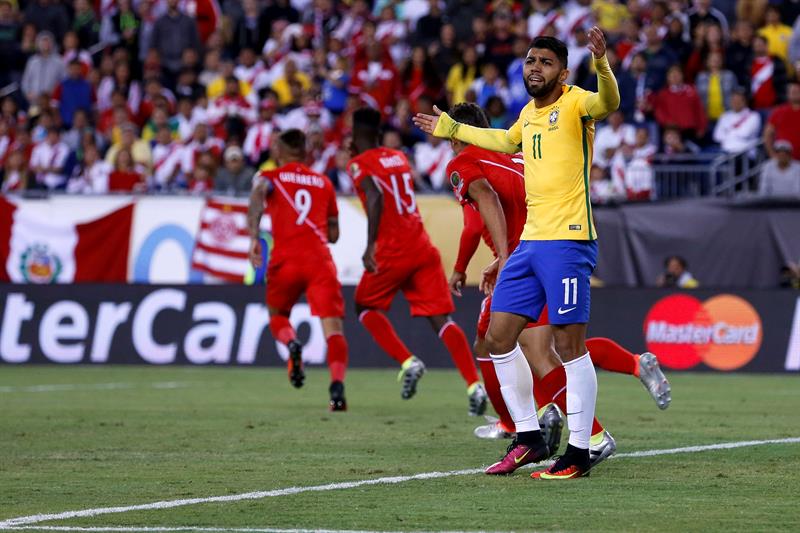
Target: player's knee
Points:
(498, 345)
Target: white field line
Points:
(59, 387)
(168, 504)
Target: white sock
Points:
(581, 399)
(516, 386)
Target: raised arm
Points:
(441, 125)
(600, 104)
(374, 205)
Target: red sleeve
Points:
(470, 238)
(357, 171)
(462, 171)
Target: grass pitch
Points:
(80, 438)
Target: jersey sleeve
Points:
(463, 171)
(357, 171)
(597, 106)
(496, 140)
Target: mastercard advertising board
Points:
(704, 330)
(723, 332)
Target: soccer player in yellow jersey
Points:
(558, 249)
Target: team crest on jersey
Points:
(40, 265)
(553, 117)
(455, 179)
(355, 170)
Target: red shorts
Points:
(419, 275)
(486, 312)
(288, 279)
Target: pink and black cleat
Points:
(517, 456)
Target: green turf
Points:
(227, 431)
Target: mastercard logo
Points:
(724, 332)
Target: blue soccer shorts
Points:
(552, 273)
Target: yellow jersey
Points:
(557, 145)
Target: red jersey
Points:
(299, 202)
(784, 119)
(401, 230)
(506, 176)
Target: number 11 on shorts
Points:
(570, 282)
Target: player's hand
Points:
(255, 253)
(489, 277)
(370, 265)
(457, 280)
(597, 42)
(427, 123)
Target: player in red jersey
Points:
(400, 257)
(302, 206)
(490, 187)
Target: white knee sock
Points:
(516, 386)
(581, 399)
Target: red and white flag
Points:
(222, 240)
(36, 249)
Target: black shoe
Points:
(338, 402)
(296, 374)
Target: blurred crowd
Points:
(187, 95)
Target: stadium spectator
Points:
(73, 51)
(48, 159)
(610, 15)
(737, 129)
(235, 176)
(166, 159)
(676, 41)
(85, 24)
(767, 76)
(777, 35)
(783, 122)
(461, 75)
(632, 175)
(674, 142)
(173, 33)
(709, 40)
(419, 77)
(92, 174)
(16, 174)
(715, 86)
(122, 29)
(339, 175)
(44, 70)
(48, 16)
(679, 105)
(81, 128)
(739, 52)
(429, 26)
(247, 32)
(780, 176)
(601, 188)
(676, 274)
(610, 137)
(376, 79)
(139, 149)
(658, 58)
(430, 161)
(794, 46)
(73, 93)
(257, 142)
(704, 13)
(489, 84)
(127, 176)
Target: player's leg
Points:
(518, 296)
(324, 294)
(284, 287)
(455, 340)
(337, 361)
(504, 426)
(374, 295)
(428, 295)
(610, 356)
(565, 268)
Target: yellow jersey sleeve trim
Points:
(496, 140)
(600, 104)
